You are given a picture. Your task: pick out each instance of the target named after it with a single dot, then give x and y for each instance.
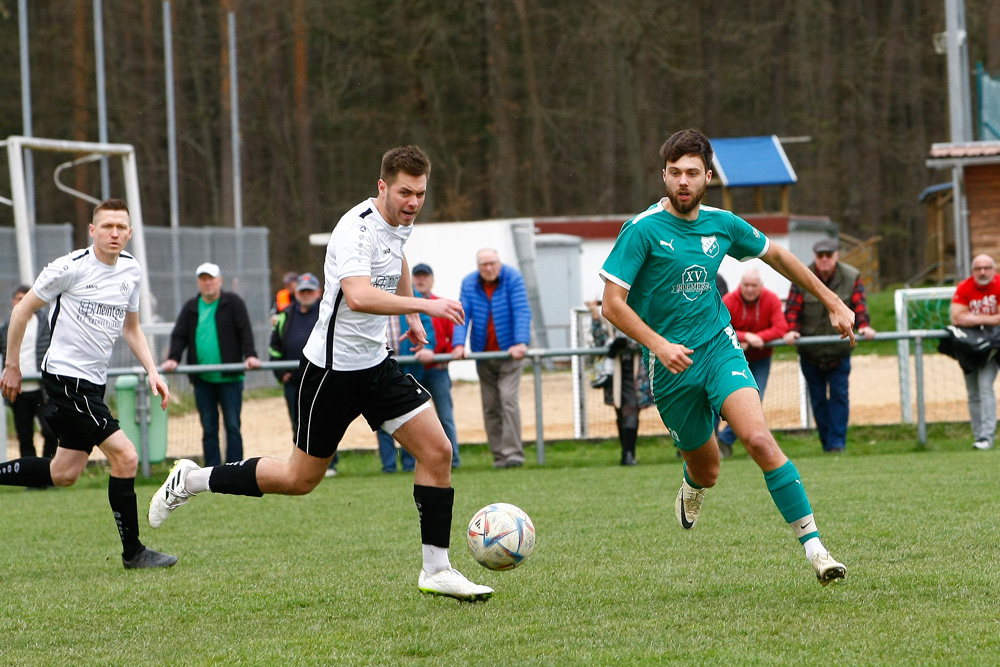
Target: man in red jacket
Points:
(757, 318)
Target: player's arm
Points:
(362, 297)
(788, 265)
(10, 382)
(136, 340)
(620, 314)
(961, 316)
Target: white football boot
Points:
(172, 494)
(687, 507)
(452, 583)
(827, 569)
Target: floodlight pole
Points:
(102, 98)
(168, 60)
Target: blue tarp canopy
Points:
(751, 161)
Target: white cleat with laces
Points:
(172, 494)
(827, 569)
(453, 584)
(687, 507)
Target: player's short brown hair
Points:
(112, 205)
(407, 159)
(687, 142)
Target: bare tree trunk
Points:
(81, 117)
(541, 164)
(504, 162)
(303, 126)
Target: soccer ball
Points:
(501, 536)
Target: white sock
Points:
(435, 559)
(197, 480)
(813, 546)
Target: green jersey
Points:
(668, 265)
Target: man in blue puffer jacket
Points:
(497, 312)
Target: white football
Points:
(501, 536)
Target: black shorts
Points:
(81, 420)
(330, 400)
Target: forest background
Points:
(526, 107)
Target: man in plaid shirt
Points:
(827, 366)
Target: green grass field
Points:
(330, 578)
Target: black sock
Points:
(121, 496)
(434, 507)
(236, 479)
(29, 471)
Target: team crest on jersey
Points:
(710, 245)
(694, 282)
(125, 288)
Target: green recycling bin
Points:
(125, 387)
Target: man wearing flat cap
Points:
(214, 327)
(827, 366)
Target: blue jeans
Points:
(761, 370)
(209, 397)
(387, 452)
(438, 383)
(829, 400)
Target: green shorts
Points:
(689, 401)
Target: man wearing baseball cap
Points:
(826, 367)
(214, 327)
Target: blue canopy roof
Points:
(750, 161)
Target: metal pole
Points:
(959, 95)
(234, 104)
(918, 361)
(102, 102)
(175, 242)
(142, 416)
(29, 162)
(536, 363)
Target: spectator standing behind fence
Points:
(398, 340)
(291, 330)
(827, 366)
(497, 312)
(97, 295)
(214, 327)
(757, 319)
(31, 403)
(436, 378)
(977, 303)
(284, 297)
(625, 383)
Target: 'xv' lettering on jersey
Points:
(694, 282)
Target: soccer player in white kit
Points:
(347, 372)
(94, 294)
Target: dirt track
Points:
(874, 400)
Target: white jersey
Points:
(362, 244)
(89, 301)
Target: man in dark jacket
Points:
(31, 403)
(827, 366)
(214, 328)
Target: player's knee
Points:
(436, 456)
(64, 478)
(301, 486)
(759, 442)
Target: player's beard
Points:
(696, 197)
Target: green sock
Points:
(687, 478)
(789, 495)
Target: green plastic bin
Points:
(125, 387)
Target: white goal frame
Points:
(19, 201)
(902, 299)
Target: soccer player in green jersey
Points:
(659, 290)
